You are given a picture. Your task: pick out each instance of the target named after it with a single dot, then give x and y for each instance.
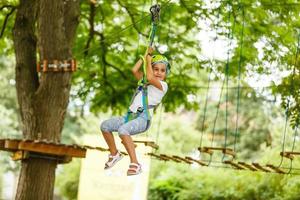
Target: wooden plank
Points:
(197, 161)
(52, 149)
(42, 147)
(205, 150)
(153, 145)
(2, 144)
(247, 166)
(287, 155)
(261, 168)
(229, 152)
(22, 148)
(75, 152)
(21, 155)
(236, 165)
(276, 169)
(158, 156)
(209, 150)
(170, 158)
(147, 143)
(293, 152)
(11, 145)
(290, 154)
(219, 148)
(183, 159)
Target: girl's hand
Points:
(149, 51)
(149, 58)
(148, 54)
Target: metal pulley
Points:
(155, 13)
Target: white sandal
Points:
(134, 169)
(114, 160)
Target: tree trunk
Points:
(43, 100)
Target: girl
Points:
(157, 69)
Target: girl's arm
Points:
(136, 70)
(150, 76)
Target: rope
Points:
(139, 36)
(294, 141)
(161, 106)
(205, 108)
(217, 113)
(239, 81)
(284, 132)
(288, 101)
(230, 35)
(295, 135)
(227, 75)
(209, 80)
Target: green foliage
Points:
(258, 118)
(67, 180)
(217, 184)
(112, 52)
(237, 115)
(166, 189)
(9, 124)
(1, 179)
(120, 30)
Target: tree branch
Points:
(132, 19)
(13, 8)
(105, 60)
(6, 6)
(116, 68)
(91, 31)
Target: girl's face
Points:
(160, 71)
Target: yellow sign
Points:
(112, 184)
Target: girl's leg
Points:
(110, 141)
(109, 126)
(133, 127)
(130, 148)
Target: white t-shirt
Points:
(155, 96)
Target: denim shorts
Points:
(132, 127)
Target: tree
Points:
(42, 99)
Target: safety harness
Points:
(142, 84)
